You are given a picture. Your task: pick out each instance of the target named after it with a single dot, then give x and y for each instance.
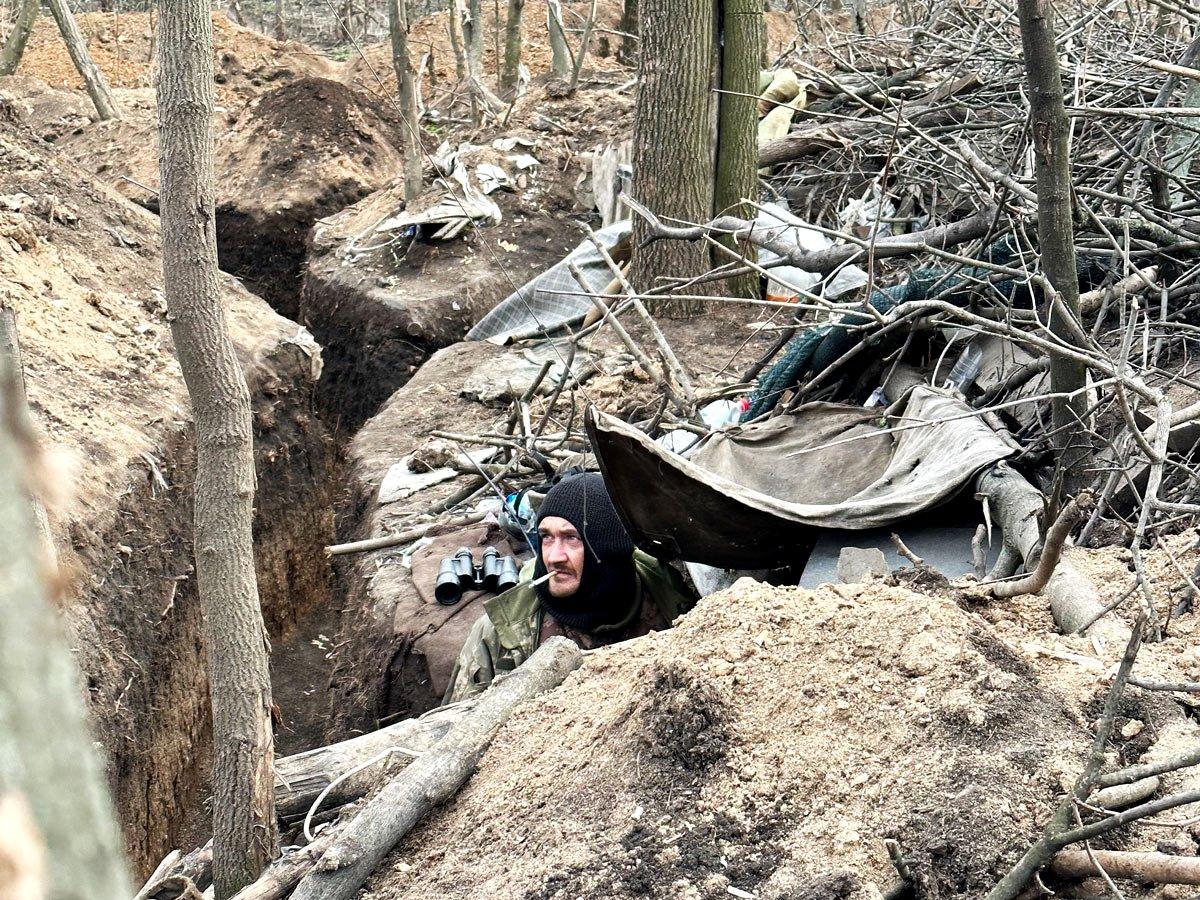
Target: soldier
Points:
(601, 589)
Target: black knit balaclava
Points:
(608, 586)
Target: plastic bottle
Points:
(966, 368)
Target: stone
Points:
(859, 564)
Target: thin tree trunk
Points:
(280, 24)
(673, 141)
(472, 25)
(93, 78)
(1056, 240)
(560, 52)
(456, 39)
(47, 757)
(627, 53)
(737, 128)
(584, 40)
(238, 16)
(510, 75)
(14, 47)
(401, 62)
(244, 832)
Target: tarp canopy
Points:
(754, 496)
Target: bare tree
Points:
(737, 125)
(627, 52)
(47, 757)
(18, 37)
(1056, 239)
(512, 48)
(402, 63)
(673, 152)
(244, 831)
(280, 24)
(560, 52)
(93, 78)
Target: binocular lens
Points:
(448, 588)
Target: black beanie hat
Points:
(607, 588)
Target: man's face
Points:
(563, 554)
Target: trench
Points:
(157, 729)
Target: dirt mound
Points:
(82, 269)
(121, 44)
(769, 743)
(289, 156)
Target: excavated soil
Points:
(767, 744)
(381, 311)
(81, 267)
(121, 45)
(290, 155)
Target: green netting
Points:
(815, 349)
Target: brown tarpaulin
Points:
(753, 496)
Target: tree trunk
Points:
(238, 15)
(10, 346)
(456, 39)
(10, 56)
(673, 140)
(280, 24)
(472, 26)
(47, 758)
(401, 62)
(1056, 240)
(244, 833)
(737, 128)
(627, 53)
(584, 40)
(93, 78)
(512, 49)
(560, 52)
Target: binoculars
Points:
(458, 573)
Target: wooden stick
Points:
(300, 778)
(434, 778)
(1158, 868)
(638, 353)
(404, 537)
(660, 340)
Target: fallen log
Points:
(1122, 796)
(1156, 868)
(1051, 553)
(285, 873)
(1017, 506)
(434, 778)
(174, 871)
(300, 779)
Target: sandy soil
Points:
(768, 743)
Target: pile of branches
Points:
(922, 168)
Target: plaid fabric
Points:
(552, 300)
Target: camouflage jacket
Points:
(511, 627)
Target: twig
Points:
(404, 537)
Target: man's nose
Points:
(552, 551)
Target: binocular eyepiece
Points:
(458, 573)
